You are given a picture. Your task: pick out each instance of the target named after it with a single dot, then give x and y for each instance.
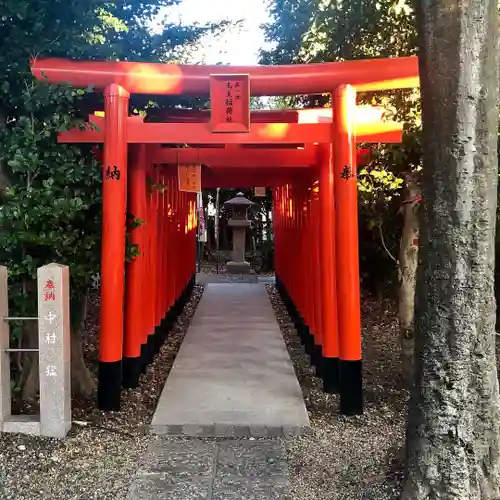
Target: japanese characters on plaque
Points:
(189, 178)
(54, 350)
(233, 94)
(201, 220)
(230, 103)
(49, 295)
(49, 291)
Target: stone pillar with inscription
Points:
(54, 350)
(239, 222)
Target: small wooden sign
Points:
(230, 103)
(259, 192)
(189, 178)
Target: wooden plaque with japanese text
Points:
(230, 103)
(189, 178)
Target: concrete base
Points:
(22, 424)
(238, 267)
(233, 375)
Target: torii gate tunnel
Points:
(308, 158)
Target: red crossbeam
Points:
(236, 157)
(249, 178)
(364, 113)
(175, 79)
(243, 158)
(269, 133)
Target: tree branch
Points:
(382, 240)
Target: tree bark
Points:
(29, 379)
(453, 442)
(82, 383)
(408, 260)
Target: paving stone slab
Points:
(254, 488)
(196, 469)
(180, 458)
(251, 459)
(162, 487)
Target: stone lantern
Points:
(239, 222)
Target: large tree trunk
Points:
(82, 382)
(408, 260)
(453, 440)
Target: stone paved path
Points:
(233, 376)
(196, 469)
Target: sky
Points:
(239, 45)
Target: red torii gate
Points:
(316, 252)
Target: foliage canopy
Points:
(50, 205)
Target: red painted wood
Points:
(175, 79)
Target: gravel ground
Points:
(343, 458)
(99, 458)
(351, 458)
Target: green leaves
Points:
(304, 31)
(319, 31)
(50, 193)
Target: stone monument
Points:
(53, 353)
(239, 222)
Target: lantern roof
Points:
(239, 200)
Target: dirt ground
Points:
(351, 458)
(344, 458)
